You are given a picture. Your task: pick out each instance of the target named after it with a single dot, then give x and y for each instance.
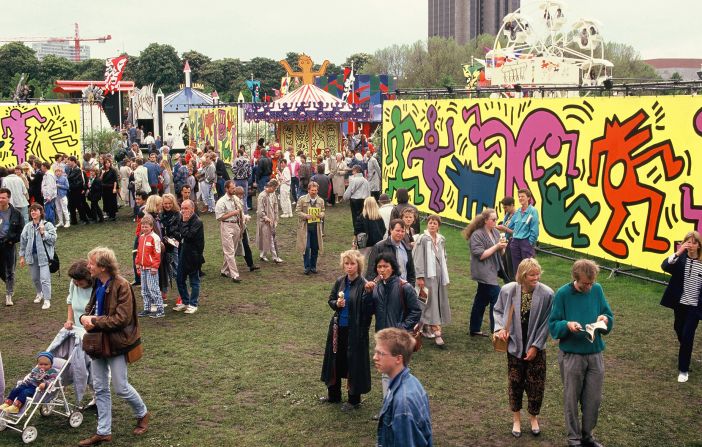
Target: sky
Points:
(322, 29)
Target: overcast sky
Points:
(323, 29)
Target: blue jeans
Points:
(312, 248)
(220, 187)
(22, 393)
(101, 369)
(486, 294)
(294, 188)
(189, 299)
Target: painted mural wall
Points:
(42, 130)
(309, 137)
(216, 126)
(611, 177)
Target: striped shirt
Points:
(692, 282)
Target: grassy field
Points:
(244, 370)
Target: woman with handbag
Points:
(112, 340)
(37, 243)
(371, 223)
(346, 352)
(431, 269)
(486, 250)
(521, 321)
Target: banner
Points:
(114, 69)
(611, 177)
(215, 126)
(40, 130)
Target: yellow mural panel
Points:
(44, 131)
(216, 126)
(310, 137)
(611, 177)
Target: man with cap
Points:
(40, 377)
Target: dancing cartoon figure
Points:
(431, 154)
(305, 74)
(16, 124)
(396, 147)
(621, 140)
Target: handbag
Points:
(135, 352)
(54, 263)
(361, 240)
(96, 345)
(497, 343)
(415, 333)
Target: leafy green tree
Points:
(197, 61)
(131, 68)
(91, 70)
(265, 70)
(53, 67)
(359, 60)
(628, 63)
(676, 77)
(159, 64)
(15, 57)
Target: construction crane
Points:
(76, 39)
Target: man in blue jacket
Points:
(405, 419)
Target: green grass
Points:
(245, 369)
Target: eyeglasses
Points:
(382, 354)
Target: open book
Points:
(591, 328)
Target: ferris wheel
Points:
(536, 46)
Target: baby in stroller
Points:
(39, 377)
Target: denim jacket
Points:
(28, 238)
(404, 419)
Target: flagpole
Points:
(119, 102)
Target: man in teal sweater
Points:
(575, 305)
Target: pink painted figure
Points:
(540, 129)
(16, 123)
(431, 155)
(690, 211)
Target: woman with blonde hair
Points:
(431, 269)
(346, 353)
(167, 175)
(521, 318)
(486, 249)
(371, 222)
(684, 296)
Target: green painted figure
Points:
(396, 147)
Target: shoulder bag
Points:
(54, 263)
(415, 333)
(497, 343)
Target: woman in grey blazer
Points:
(527, 333)
(486, 250)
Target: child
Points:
(40, 377)
(62, 215)
(139, 201)
(148, 259)
(79, 291)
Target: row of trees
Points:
(433, 63)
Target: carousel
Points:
(308, 119)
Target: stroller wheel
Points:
(45, 410)
(29, 434)
(75, 419)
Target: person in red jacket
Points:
(148, 259)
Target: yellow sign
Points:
(314, 212)
(611, 177)
(215, 126)
(40, 130)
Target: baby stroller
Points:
(66, 348)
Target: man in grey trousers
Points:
(575, 305)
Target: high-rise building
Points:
(60, 49)
(465, 19)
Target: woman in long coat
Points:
(429, 256)
(339, 177)
(267, 213)
(346, 354)
(110, 188)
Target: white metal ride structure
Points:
(536, 47)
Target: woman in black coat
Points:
(684, 296)
(94, 195)
(346, 354)
(371, 222)
(110, 187)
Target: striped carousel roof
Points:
(309, 94)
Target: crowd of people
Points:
(394, 273)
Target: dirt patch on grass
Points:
(248, 308)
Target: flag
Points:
(284, 85)
(114, 69)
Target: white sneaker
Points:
(191, 310)
(682, 377)
(59, 225)
(153, 308)
(46, 305)
(68, 225)
(278, 261)
(263, 258)
(180, 307)
(38, 298)
(8, 300)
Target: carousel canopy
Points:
(307, 103)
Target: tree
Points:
(627, 63)
(358, 60)
(222, 75)
(160, 65)
(15, 57)
(676, 77)
(55, 67)
(197, 61)
(265, 70)
(131, 68)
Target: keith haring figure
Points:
(474, 189)
(690, 211)
(305, 73)
(621, 140)
(431, 155)
(16, 123)
(540, 129)
(396, 147)
(557, 216)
